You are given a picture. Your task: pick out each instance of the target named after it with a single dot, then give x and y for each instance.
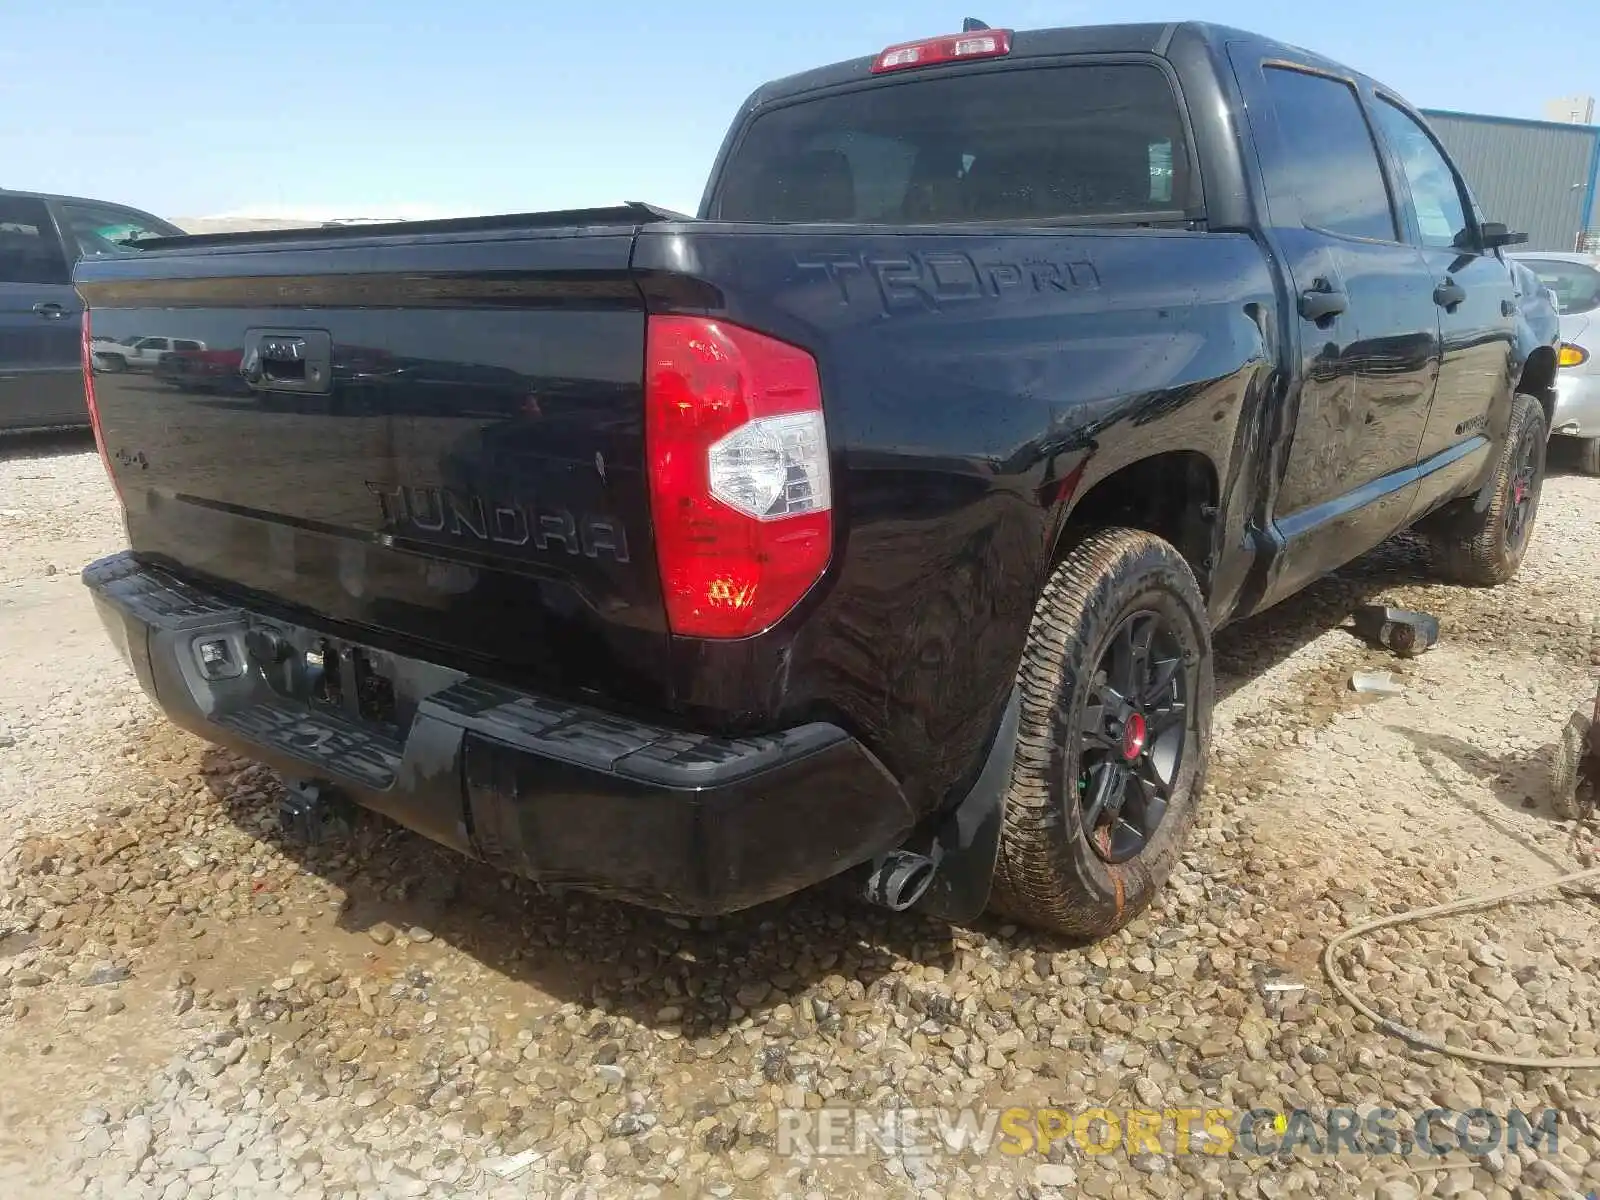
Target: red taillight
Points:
(739, 488)
(953, 47)
(94, 409)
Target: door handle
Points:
(1449, 294)
(50, 310)
(288, 360)
(1322, 302)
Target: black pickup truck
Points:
(874, 522)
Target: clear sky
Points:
(377, 107)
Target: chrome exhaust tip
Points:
(898, 879)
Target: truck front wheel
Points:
(1485, 549)
(1116, 682)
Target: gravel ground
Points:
(191, 1006)
(65, 708)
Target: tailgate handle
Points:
(288, 360)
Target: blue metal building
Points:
(1539, 177)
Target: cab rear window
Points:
(1091, 142)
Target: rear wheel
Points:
(1116, 684)
(1487, 548)
(1589, 455)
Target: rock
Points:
(94, 1116)
(512, 1166)
(351, 1051)
(382, 933)
(1148, 1091)
(752, 994)
(752, 1164)
(138, 1137)
(627, 1124)
(106, 973)
(418, 934)
(402, 1183)
(1056, 1175)
(245, 1176)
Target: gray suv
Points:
(41, 317)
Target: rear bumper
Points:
(1577, 411)
(551, 790)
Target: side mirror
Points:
(1492, 235)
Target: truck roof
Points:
(62, 198)
(1146, 38)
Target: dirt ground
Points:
(192, 1006)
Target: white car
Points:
(1574, 279)
(137, 353)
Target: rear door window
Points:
(30, 250)
(1327, 164)
(1092, 142)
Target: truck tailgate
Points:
(432, 440)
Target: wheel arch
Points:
(1172, 494)
(1538, 379)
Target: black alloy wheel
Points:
(1523, 499)
(1134, 730)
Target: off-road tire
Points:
(1048, 875)
(1565, 780)
(1478, 549)
(1589, 455)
